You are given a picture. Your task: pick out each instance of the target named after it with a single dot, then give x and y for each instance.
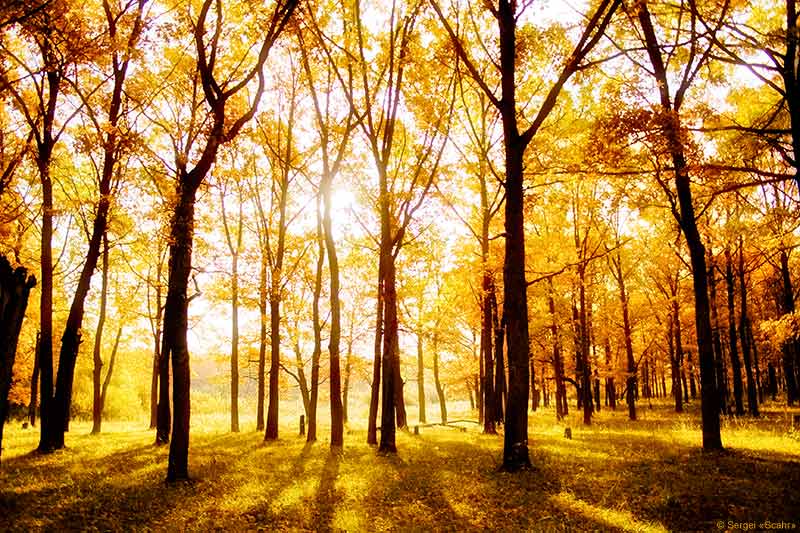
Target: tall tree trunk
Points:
(262, 341)
(789, 347)
(744, 321)
(174, 347)
(271, 432)
(437, 381)
(421, 377)
(346, 385)
(337, 408)
(32, 405)
(630, 385)
(302, 382)
(586, 372)
(677, 385)
(311, 436)
(671, 130)
(389, 354)
(375, 386)
(736, 365)
(499, 367)
(15, 287)
(487, 344)
(558, 363)
(719, 365)
(97, 410)
(46, 298)
(235, 343)
(107, 379)
(156, 329)
(611, 393)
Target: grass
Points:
(613, 476)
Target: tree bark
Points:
(315, 318)
(421, 378)
(33, 404)
(262, 341)
(372, 425)
(789, 347)
(97, 410)
(744, 321)
(719, 364)
(437, 381)
(671, 130)
(174, 347)
(736, 364)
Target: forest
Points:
(399, 265)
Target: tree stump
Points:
(302, 425)
(568, 433)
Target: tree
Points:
(224, 125)
(515, 305)
(59, 44)
(333, 142)
(670, 126)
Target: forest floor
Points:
(614, 475)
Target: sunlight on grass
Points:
(610, 517)
(648, 475)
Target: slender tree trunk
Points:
(611, 393)
(271, 432)
(46, 298)
(372, 425)
(34, 385)
(558, 363)
(421, 377)
(97, 410)
(262, 341)
(736, 364)
(156, 350)
(744, 321)
(677, 333)
(437, 381)
(630, 385)
(235, 344)
(346, 386)
(499, 368)
(719, 368)
(586, 375)
(107, 379)
(338, 416)
(487, 343)
(789, 347)
(302, 382)
(315, 357)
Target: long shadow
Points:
(327, 498)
